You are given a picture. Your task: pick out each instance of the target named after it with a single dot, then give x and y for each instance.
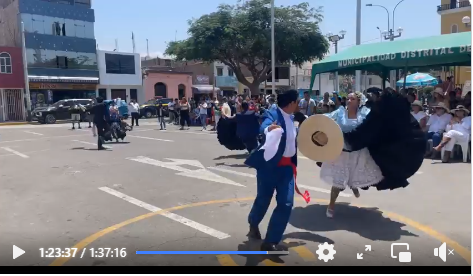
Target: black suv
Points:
(58, 111)
(150, 108)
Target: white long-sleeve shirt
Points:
(134, 107)
(290, 150)
(438, 123)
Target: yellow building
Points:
(243, 89)
(452, 14)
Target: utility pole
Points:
(273, 54)
(25, 70)
(147, 49)
(358, 42)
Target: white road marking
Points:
(42, 138)
(197, 226)
(89, 143)
(31, 132)
(232, 172)
(175, 164)
(315, 189)
(149, 138)
(191, 132)
(15, 152)
(30, 152)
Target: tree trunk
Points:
(254, 89)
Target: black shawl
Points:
(394, 139)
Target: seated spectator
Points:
(458, 130)
(419, 114)
(436, 126)
(438, 97)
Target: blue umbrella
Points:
(418, 79)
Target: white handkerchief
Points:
(273, 138)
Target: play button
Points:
(17, 252)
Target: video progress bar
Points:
(212, 252)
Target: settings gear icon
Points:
(329, 255)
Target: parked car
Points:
(149, 109)
(58, 111)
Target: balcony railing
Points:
(451, 6)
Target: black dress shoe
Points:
(272, 247)
(254, 233)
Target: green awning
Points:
(444, 50)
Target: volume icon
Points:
(441, 252)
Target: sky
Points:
(161, 21)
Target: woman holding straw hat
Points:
(458, 130)
(352, 169)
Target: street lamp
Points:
(389, 34)
(466, 20)
(335, 39)
(380, 34)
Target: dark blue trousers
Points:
(281, 180)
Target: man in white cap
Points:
(437, 124)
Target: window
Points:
(5, 63)
(61, 62)
(167, 62)
(120, 64)
(84, 102)
(370, 81)
(230, 72)
(454, 28)
(219, 71)
(133, 94)
(103, 93)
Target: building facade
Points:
(12, 84)
(451, 14)
(60, 46)
(120, 76)
(166, 83)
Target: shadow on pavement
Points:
(231, 165)
(254, 245)
(234, 156)
(366, 222)
(83, 148)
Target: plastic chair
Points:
(465, 150)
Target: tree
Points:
(240, 36)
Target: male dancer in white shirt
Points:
(276, 170)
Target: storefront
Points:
(44, 94)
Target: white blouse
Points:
(464, 126)
(419, 115)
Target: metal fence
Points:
(12, 106)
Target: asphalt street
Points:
(180, 190)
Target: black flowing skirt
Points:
(227, 134)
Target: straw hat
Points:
(462, 108)
(417, 103)
(320, 139)
(439, 90)
(442, 105)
